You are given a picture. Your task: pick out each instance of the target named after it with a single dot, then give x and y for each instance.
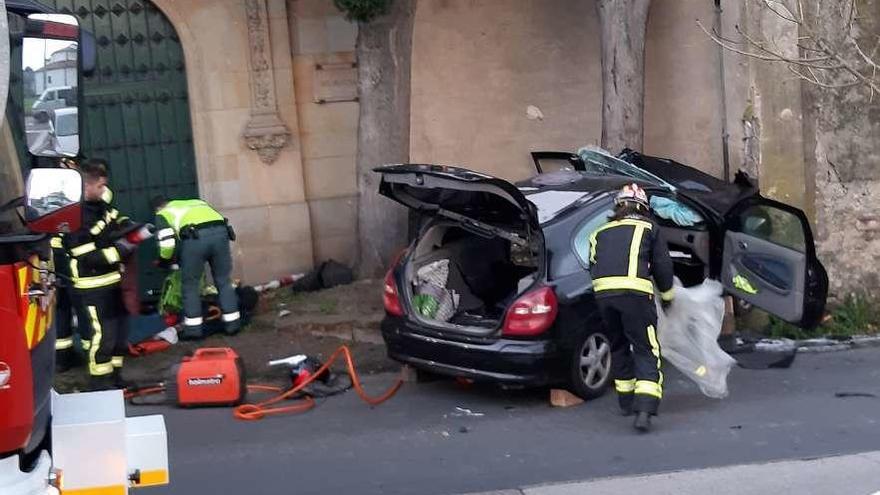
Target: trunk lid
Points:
(479, 202)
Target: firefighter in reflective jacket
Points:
(96, 274)
(190, 232)
(625, 254)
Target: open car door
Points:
(770, 261)
(555, 161)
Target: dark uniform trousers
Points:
(209, 245)
(67, 305)
(106, 320)
(631, 320)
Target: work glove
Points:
(142, 234)
(125, 247)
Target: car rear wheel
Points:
(590, 365)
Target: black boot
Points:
(118, 381)
(66, 360)
(100, 383)
(626, 404)
(642, 422)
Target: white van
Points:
(52, 98)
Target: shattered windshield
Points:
(597, 161)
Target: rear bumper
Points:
(516, 362)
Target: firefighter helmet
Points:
(632, 193)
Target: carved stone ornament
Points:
(265, 132)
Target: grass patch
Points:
(859, 314)
(328, 306)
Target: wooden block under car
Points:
(564, 398)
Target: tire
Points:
(591, 351)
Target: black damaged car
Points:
(496, 286)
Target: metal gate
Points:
(135, 112)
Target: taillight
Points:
(390, 294)
(532, 314)
(390, 297)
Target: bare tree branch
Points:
(824, 56)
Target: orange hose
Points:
(251, 412)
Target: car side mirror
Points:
(51, 51)
(53, 200)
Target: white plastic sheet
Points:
(688, 335)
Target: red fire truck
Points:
(79, 443)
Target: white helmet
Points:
(632, 193)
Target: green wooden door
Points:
(135, 112)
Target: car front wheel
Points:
(590, 365)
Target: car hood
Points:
(435, 188)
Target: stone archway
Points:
(135, 111)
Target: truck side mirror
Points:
(53, 200)
(51, 57)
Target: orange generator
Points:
(212, 376)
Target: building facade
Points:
(271, 107)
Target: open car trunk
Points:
(461, 281)
(481, 247)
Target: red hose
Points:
(251, 412)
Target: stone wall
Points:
(845, 148)
(491, 83)
(265, 202)
(323, 40)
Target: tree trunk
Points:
(623, 25)
(384, 52)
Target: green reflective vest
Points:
(178, 214)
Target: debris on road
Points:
(767, 353)
(283, 313)
(461, 411)
(564, 398)
(841, 395)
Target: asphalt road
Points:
(416, 444)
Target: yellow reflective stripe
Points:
(84, 249)
(98, 227)
(634, 246)
(95, 368)
(167, 243)
(117, 361)
(668, 295)
(111, 254)
(98, 281)
(645, 387)
(30, 325)
(86, 345)
(165, 234)
(625, 386)
(74, 268)
(113, 214)
(655, 350)
(152, 478)
(62, 344)
(55, 243)
(98, 490)
(623, 283)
